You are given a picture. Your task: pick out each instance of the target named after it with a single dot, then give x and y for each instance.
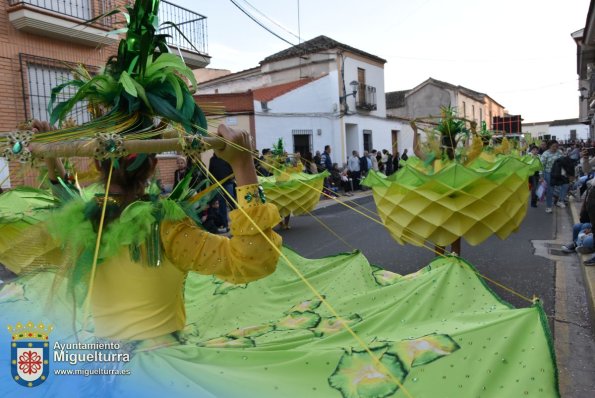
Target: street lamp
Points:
(354, 85)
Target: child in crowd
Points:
(211, 219)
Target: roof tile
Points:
(272, 92)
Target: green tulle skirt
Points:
(440, 332)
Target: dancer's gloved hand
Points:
(39, 126)
(238, 153)
(55, 166)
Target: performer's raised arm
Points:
(248, 255)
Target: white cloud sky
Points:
(518, 51)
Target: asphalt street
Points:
(510, 262)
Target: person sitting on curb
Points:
(582, 239)
(588, 207)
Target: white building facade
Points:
(561, 130)
(305, 95)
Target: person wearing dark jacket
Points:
(396, 159)
(261, 164)
(325, 160)
(388, 166)
(404, 156)
(211, 218)
(561, 175)
(363, 165)
(181, 171)
(219, 170)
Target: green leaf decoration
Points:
(308, 305)
(226, 287)
(332, 325)
(12, 292)
(358, 376)
(386, 278)
(298, 320)
(174, 82)
(250, 331)
(423, 350)
(140, 90)
(228, 342)
(128, 84)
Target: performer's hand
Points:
(238, 145)
(38, 126)
(55, 166)
(238, 153)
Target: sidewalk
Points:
(588, 271)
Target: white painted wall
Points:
(269, 128)
(4, 176)
(563, 132)
(316, 98)
(380, 128)
(536, 130)
(406, 139)
(560, 132)
(239, 85)
(374, 77)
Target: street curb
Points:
(588, 272)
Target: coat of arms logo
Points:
(30, 359)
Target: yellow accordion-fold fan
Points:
(472, 202)
(293, 193)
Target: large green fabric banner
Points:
(440, 332)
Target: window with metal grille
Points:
(4, 176)
(302, 141)
(39, 75)
(368, 140)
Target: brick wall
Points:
(166, 167)
(12, 101)
(14, 104)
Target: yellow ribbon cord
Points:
(408, 234)
(97, 245)
(312, 288)
(328, 228)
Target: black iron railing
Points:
(366, 97)
(79, 9)
(193, 27)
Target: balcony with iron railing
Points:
(366, 98)
(62, 19)
(190, 39)
(78, 9)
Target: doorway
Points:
(302, 141)
(394, 136)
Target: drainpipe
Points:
(341, 119)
